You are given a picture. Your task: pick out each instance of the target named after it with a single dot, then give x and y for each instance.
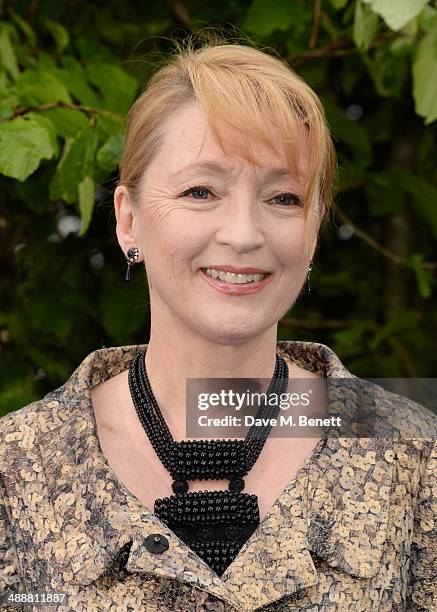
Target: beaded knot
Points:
(180, 486)
(236, 485)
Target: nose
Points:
(240, 227)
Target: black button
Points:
(156, 543)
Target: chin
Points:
(233, 330)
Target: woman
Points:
(225, 180)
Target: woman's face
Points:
(205, 249)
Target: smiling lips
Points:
(236, 281)
(232, 277)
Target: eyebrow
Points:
(221, 169)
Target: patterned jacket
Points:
(355, 529)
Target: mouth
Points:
(236, 283)
(233, 277)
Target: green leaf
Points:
(48, 125)
(77, 161)
(266, 16)
(350, 335)
(45, 62)
(351, 341)
(383, 194)
(424, 79)
(48, 313)
(106, 125)
(7, 53)
(423, 196)
(8, 102)
(91, 49)
(86, 203)
(424, 278)
(389, 69)
(402, 45)
(427, 18)
(365, 25)
(109, 154)
(6, 108)
(409, 31)
(331, 28)
(59, 33)
(25, 27)
(117, 87)
(67, 121)
(40, 87)
(397, 14)
(74, 78)
(349, 132)
(24, 142)
(399, 321)
(339, 4)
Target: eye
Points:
(295, 199)
(196, 189)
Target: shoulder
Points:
(23, 430)
(405, 418)
(30, 416)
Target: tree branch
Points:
(22, 110)
(397, 259)
(181, 12)
(338, 48)
(404, 356)
(316, 23)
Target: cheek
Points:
(288, 244)
(175, 243)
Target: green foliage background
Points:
(69, 72)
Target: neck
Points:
(175, 353)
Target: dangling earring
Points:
(310, 267)
(132, 258)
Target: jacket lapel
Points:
(345, 530)
(338, 517)
(335, 510)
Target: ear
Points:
(125, 215)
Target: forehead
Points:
(190, 145)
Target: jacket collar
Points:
(330, 515)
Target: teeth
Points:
(230, 277)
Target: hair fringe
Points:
(254, 86)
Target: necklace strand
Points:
(215, 524)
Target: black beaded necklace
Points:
(215, 524)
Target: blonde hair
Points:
(242, 87)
